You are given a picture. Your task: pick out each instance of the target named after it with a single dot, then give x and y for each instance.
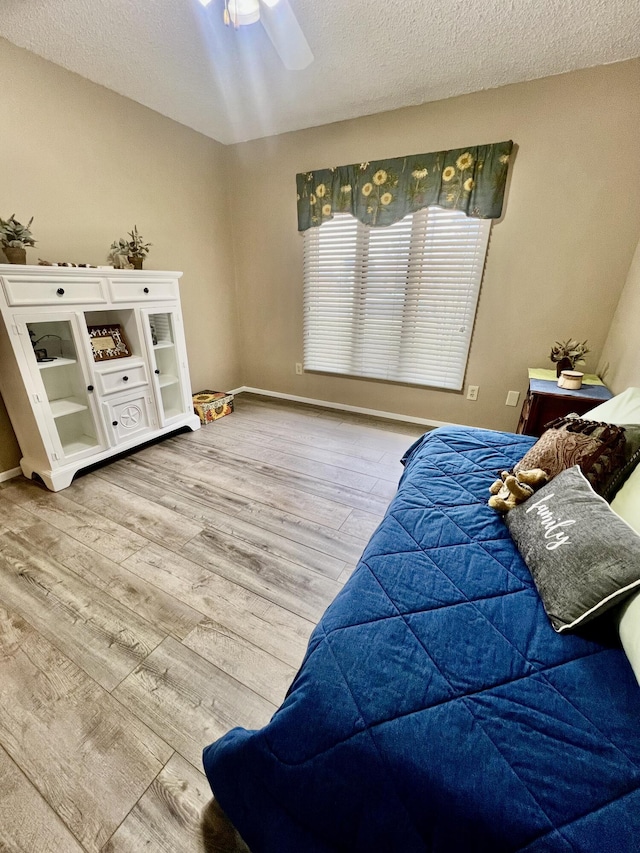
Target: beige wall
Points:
(88, 165)
(620, 363)
(556, 264)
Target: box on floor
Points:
(211, 405)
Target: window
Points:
(394, 303)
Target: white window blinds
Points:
(394, 303)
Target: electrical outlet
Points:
(298, 368)
(472, 392)
(512, 398)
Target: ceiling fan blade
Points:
(286, 35)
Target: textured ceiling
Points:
(371, 55)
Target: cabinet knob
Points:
(157, 372)
(114, 423)
(60, 291)
(146, 290)
(89, 387)
(125, 378)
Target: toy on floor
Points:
(513, 489)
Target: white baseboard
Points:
(325, 404)
(392, 416)
(9, 475)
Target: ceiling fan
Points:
(280, 23)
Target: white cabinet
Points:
(73, 403)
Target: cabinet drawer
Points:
(143, 290)
(54, 290)
(120, 378)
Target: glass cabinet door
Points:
(53, 356)
(168, 353)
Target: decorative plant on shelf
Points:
(129, 252)
(15, 237)
(567, 354)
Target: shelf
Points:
(165, 380)
(172, 413)
(79, 445)
(66, 406)
(57, 362)
(128, 362)
(163, 344)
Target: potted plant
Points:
(129, 252)
(566, 354)
(15, 237)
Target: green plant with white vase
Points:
(567, 354)
(129, 252)
(15, 237)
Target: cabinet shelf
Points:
(66, 406)
(79, 445)
(165, 380)
(163, 344)
(57, 362)
(117, 363)
(173, 413)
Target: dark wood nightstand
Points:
(545, 401)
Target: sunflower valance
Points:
(382, 192)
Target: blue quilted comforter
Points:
(436, 708)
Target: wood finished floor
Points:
(163, 599)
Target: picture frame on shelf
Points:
(108, 342)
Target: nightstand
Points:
(545, 401)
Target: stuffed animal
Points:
(513, 489)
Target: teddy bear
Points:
(513, 489)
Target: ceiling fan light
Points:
(205, 3)
(269, 3)
(244, 12)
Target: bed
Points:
(436, 708)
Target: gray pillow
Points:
(583, 557)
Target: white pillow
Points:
(629, 630)
(625, 409)
(627, 501)
(627, 505)
(622, 409)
